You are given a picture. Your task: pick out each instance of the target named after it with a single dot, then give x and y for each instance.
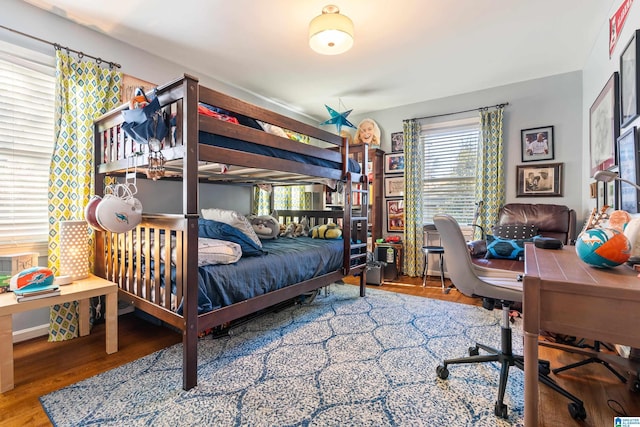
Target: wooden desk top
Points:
(565, 295)
(575, 298)
(564, 266)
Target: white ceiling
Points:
(405, 51)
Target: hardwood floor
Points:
(42, 367)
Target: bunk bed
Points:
(203, 149)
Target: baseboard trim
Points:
(29, 333)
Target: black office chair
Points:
(492, 285)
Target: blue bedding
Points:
(249, 147)
(287, 262)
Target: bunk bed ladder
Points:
(359, 194)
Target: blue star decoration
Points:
(338, 119)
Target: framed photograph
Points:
(604, 126)
(394, 163)
(540, 180)
(397, 142)
(628, 169)
(601, 199)
(395, 215)
(629, 81)
(612, 191)
(537, 143)
(394, 186)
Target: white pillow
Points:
(234, 219)
(213, 251)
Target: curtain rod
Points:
(58, 46)
(504, 104)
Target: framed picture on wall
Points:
(397, 142)
(537, 143)
(395, 215)
(394, 186)
(629, 81)
(612, 191)
(601, 195)
(604, 126)
(628, 169)
(394, 163)
(540, 180)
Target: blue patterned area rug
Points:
(342, 360)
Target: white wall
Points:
(31, 20)
(552, 101)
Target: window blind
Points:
(449, 169)
(27, 91)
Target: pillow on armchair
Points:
(515, 231)
(507, 242)
(498, 247)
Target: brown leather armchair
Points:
(557, 221)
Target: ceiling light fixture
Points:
(331, 33)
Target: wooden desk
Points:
(81, 291)
(563, 294)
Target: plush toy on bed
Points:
(326, 231)
(296, 229)
(265, 226)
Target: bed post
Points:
(190, 210)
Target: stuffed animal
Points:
(295, 229)
(326, 231)
(265, 226)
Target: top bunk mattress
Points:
(249, 147)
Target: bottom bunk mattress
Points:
(286, 261)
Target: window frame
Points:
(462, 209)
(42, 63)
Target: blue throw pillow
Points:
(505, 248)
(221, 231)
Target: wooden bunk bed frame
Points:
(119, 257)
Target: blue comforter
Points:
(286, 262)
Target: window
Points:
(449, 169)
(27, 90)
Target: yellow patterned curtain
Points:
(284, 197)
(413, 224)
(84, 91)
(490, 168)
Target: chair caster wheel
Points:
(577, 412)
(443, 372)
(474, 351)
(501, 411)
(544, 367)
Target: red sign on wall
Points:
(616, 23)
